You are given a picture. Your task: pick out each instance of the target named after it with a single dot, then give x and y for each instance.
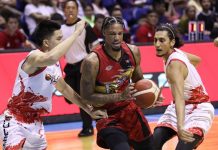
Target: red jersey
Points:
(11, 41)
(113, 77)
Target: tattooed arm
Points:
(89, 71)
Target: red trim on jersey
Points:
(198, 96)
(196, 130)
(194, 107)
(18, 146)
(20, 105)
(37, 72)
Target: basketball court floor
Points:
(64, 137)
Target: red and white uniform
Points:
(199, 112)
(20, 124)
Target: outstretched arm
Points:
(71, 95)
(40, 59)
(89, 71)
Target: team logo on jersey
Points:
(57, 64)
(51, 78)
(108, 68)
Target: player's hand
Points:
(128, 92)
(80, 26)
(159, 101)
(185, 135)
(98, 114)
(216, 42)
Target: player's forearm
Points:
(97, 99)
(61, 49)
(71, 95)
(180, 112)
(179, 104)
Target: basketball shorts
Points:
(196, 116)
(16, 135)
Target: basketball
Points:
(147, 93)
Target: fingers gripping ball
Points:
(147, 93)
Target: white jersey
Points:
(32, 94)
(199, 112)
(194, 90)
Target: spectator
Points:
(11, 37)
(99, 8)
(171, 13)
(89, 16)
(159, 7)
(99, 18)
(116, 12)
(145, 33)
(189, 15)
(207, 16)
(34, 13)
(197, 5)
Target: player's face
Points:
(55, 39)
(163, 44)
(71, 10)
(114, 36)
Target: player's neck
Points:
(112, 53)
(167, 55)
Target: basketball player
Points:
(191, 114)
(106, 74)
(38, 74)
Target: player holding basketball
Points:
(191, 114)
(38, 74)
(106, 74)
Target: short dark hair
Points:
(45, 29)
(65, 3)
(99, 16)
(172, 33)
(108, 21)
(9, 15)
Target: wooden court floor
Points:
(68, 140)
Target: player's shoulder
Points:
(91, 58)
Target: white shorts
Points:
(196, 116)
(19, 135)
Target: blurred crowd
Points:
(19, 18)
